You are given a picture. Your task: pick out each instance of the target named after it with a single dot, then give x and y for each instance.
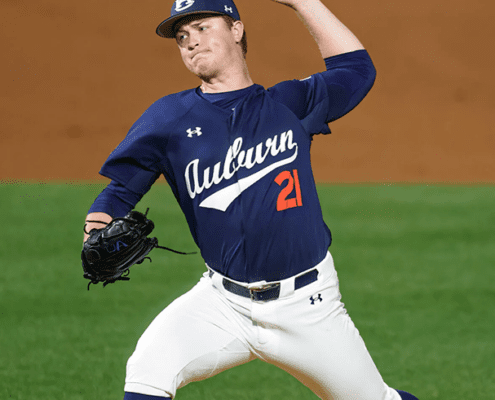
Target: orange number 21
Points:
(283, 203)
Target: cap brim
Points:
(166, 28)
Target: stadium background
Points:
(76, 75)
(405, 182)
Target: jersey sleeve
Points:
(329, 95)
(115, 200)
(135, 162)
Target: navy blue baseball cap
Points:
(182, 8)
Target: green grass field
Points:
(416, 267)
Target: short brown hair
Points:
(230, 23)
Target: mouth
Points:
(198, 53)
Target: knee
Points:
(139, 396)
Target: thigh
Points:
(192, 339)
(320, 345)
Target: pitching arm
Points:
(331, 35)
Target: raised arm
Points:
(331, 35)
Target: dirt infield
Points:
(76, 75)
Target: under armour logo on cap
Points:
(229, 9)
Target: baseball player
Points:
(237, 158)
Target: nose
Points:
(193, 41)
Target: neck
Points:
(227, 83)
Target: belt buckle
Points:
(261, 289)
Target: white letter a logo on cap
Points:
(181, 5)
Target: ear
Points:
(238, 30)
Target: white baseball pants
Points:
(306, 332)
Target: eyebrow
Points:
(191, 24)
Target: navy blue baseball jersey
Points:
(239, 166)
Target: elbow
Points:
(370, 74)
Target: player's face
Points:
(208, 46)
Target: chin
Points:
(206, 74)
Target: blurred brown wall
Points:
(76, 75)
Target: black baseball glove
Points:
(109, 252)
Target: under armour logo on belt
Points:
(196, 131)
(313, 300)
(229, 9)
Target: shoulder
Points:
(281, 88)
(171, 107)
(302, 89)
(294, 94)
(161, 116)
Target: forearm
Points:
(102, 219)
(115, 200)
(331, 35)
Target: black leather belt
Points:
(269, 291)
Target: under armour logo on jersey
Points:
(229, 9)
(313, 299)
(196, 131)
(181, 5)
